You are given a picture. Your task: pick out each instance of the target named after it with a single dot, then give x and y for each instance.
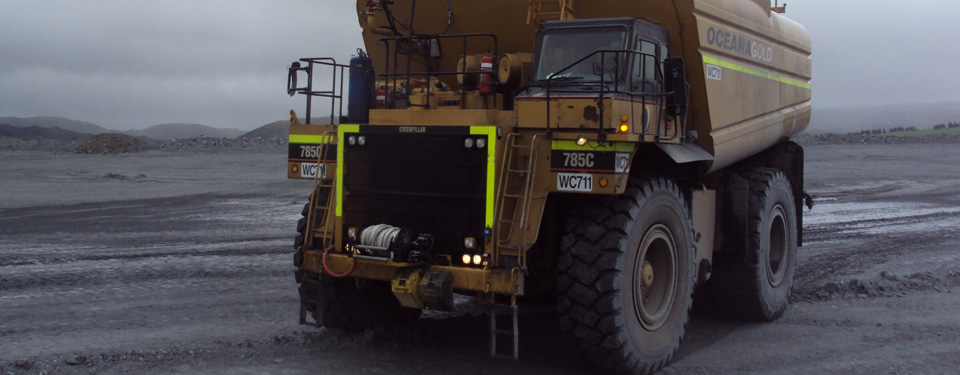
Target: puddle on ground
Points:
(852, 212)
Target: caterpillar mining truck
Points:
(612, 156)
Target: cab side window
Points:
(646, 72)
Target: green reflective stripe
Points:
(491, 133)
(310, 139)
(756, 73)
(341, 130)
(593, 146)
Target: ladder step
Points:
(519, 170)
(513, 195)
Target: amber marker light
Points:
(624, 126)
(604, 182)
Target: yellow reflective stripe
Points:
(341, 130)
(593, 146)
(312, 139)
(756, 73)
(491, 133)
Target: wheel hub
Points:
(646, 274)
(776, 246)
(655, 277)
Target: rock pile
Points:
(42, 145)
(875, 139)
(203, 143)
(105, 144)
(111, 143)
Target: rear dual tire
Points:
(753, 276)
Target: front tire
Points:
(626, 277)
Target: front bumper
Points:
(465, 280)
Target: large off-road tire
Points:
(626, 277)
(346, 307)
(752, 278)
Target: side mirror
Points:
(292, 87)
(597, 69)
(608, 69)
(675, 83)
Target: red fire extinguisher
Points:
(486, 78)
(371, 6)
(382, 98)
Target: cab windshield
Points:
(562, 47)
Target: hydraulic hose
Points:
(326, 268)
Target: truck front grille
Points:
(427, 182)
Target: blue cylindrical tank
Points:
(361, 89)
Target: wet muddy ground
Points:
(170, 263)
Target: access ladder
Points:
(517, 173)
(549, 10)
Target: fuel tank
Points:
(748, 67)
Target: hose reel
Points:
(395, 243)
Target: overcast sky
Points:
(131, 64)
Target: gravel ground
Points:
(179, 263)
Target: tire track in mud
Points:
(857, 233)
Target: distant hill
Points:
(55, 122)
(279, 129)
(845, 120)
(37, 132)
(173, 131)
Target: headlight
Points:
(352, 140)
(468, 143)
(362, 140)
(466, 258)
(481, 143)
(477, 259)
(470, 243)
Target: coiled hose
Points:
(380, 235)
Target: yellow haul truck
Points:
(611, 155)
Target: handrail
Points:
(617, 87)
(429, 73)
(335, 95)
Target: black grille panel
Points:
(428, 183)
